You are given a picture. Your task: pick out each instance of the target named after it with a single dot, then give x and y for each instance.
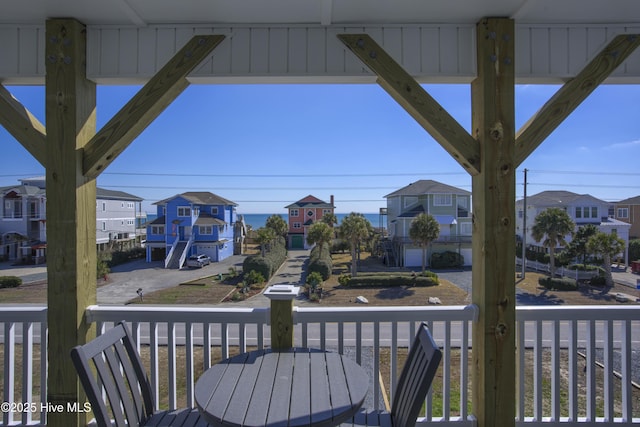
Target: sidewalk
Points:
(291, 272)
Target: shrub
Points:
(10, 282)
(314, 279)
(558, 284)
(254, 277)
(393, 279)
(320, 261)
(344, 279)
(102, 269)
(447, 259)
(272, 260)
(598, 281)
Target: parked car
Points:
(198, 261)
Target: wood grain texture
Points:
(571, 95)
(23, 125)
(416, 101)
(70, 101)
(494, 226)
(146, 105)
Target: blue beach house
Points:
(188, 224)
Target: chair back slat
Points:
(120, 372)
(416, 378)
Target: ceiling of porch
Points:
(324, 12)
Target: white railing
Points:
(24, 353)
(560, 271)
(167, 259)
(185, 251)
(179, 342)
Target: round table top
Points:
(296, 387)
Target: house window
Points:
(578, 212)
(294, 212)
(442, 199)
(410, 200)
(104, 207)
(184, 211)
(157, 229)
(326, 211)
(214, 210)
(206, 229)
(310, 213)
(623, 213)
(296, 225)
(104, 226)
(130, 205)
(129, 222)
(594, 212)
(465, 229)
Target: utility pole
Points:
(524, 226)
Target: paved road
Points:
(125, 279)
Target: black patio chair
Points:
(111, 362)
(413, 385)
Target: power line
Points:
(327, 175)
(595, 173)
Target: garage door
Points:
(209, 250)
(466, 253)
(297, 242)
(413, 258)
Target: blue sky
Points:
(266, 146)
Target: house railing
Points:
(560, 271)
(183, 257)
(169, 256)
(575, 363)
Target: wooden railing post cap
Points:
(282, 292)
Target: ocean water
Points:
(259, 220)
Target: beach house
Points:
(23, 223)
(583, 209)
(450, 206)
(302, 214)
(191, 223)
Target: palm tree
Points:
(555, 224)
(264, 236)
(319, 233)
(578, 245)
(354, 228)
(278, 225)
(330, 219)
(423, 230)
(607, 245)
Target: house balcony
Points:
(440, 240)
(577, 365)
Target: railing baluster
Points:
(376, 365)
(446, 371)
(394, 359)
(189, 362)
(537, 372)
(171, 361)
(607, 338)
(464, 369)
(153, 363)
(206, 346)
(591, 370)
(573, 370)
(43, 370)
(9, 366)
(27, 369)
(625, 366)
(521, 348)
(555, 371)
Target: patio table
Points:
(295, 387)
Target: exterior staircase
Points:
(174, 263)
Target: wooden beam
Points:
(146, 105)
(418, 103)
(23, 125)
(493, 244)
(571, 95)
(70, 102)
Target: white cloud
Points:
(619, 145)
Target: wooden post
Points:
(71, 210)
(494, 374)
(282, 297)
